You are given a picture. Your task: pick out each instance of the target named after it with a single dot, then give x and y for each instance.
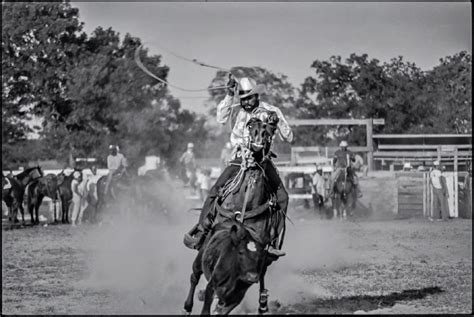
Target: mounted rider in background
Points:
(116, 164)
(343, 158)
(249, 107)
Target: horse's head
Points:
(261, 132)
(30, 174)
(248, 254)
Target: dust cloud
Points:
(141, 262)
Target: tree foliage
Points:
(87, 89)
(409, 99)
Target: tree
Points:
(449, 90)
(39, 41)
(410, 100)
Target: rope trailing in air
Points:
(194, 61)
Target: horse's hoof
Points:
(185, 313)
(263, 310)
(201, 295)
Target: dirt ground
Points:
(138, 265)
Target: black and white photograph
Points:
(236, 157)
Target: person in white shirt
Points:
(318, 189)
(116, 163)
(440, 193)
(79, 203)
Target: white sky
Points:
(283, 37)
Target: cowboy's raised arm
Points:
(223, 109)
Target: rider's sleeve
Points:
(223, 109)
(284, 128)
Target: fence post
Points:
(456, 197)
(370, 145)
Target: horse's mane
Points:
(27, 171)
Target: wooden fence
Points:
(415, 194)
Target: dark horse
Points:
(46, 186)
(65, 193)
(120, 186)
(344, 194)
(247, 198)
(14, 195)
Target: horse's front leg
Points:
(188, 304)
(263, 293)
(208, 298)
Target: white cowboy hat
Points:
(436, 163)
(190, 145)
(343, 143)
(248, 87)
(407, 165)
(76, 175)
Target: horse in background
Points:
(65, 193)
(345, 196)
(121, 192)
(14, 195)
(46, 186)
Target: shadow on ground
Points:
(348, 305)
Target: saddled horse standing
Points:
(248, 198)
(46, 186)
(13, 196)
(345, 195)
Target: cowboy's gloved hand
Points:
(231, 84)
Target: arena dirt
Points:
(136, 263)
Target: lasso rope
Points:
(194, 61)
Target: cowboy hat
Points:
(190, 145)
(343, 143)
(248, 87)
(436, 163)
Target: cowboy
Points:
(342, 159)
(250, 107)
(116, 164)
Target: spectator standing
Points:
(440, 193)
(204, 183)
(318, 191)
(78, 201)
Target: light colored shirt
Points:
(115, 162)
(188, 160)
(318, 182)
(240, 133)
(204, 181)
(74, 186)
(435, 176)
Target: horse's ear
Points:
(233, 235)
(251, 122)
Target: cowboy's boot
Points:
(195, 237)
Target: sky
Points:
(283, 37)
